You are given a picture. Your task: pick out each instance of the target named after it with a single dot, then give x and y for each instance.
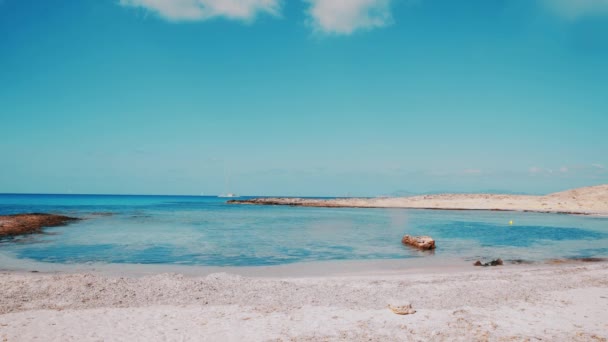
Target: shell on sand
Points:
(402, 310)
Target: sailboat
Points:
(227, 186)
(228, 195)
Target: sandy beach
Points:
(587, 201)
(314, 170)
(539, 302)
(558, 300)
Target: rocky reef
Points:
(20, 224)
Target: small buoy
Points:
(511, 223)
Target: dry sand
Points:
(590, 201)
(556, 303)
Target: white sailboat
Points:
(228, 195)
(227, 186)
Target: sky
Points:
(302, 97)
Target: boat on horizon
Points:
(228, 195)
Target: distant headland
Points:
(591, 200)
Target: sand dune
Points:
(589, 200)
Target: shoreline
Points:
(312, 269)
(310, 205)
(322, 268)
(555, 302)
(591, 201)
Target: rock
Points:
(19, 224)
(420, 242)
(497, 262)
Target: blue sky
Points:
(303, 97)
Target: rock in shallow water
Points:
(420, 242)
(497, 262)
(19, 224)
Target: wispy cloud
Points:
(347, 16)
(535, 170)
(190, 10)
(575, 9)
(472, 171)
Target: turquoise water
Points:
(208, 232)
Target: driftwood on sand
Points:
(19, 224)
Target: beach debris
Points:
(420, 242)
(497, 262)
(402, 310)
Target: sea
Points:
(207, 231)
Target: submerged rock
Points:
(575, 260)
(520, 262)
(19, 224)
(497, 262)
(420, 242)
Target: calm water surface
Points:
(206, 231)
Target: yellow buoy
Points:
(511, 223)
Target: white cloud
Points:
(179, 10)
(347, 16)
(575, 9)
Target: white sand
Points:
(590, 200)
(556, 303)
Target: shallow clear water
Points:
(208, 232)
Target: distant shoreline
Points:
(582, 201)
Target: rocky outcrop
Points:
(497, 262)
(19, 224)
(420, 242)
